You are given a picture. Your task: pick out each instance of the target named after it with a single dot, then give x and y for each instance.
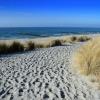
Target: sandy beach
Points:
(43, 74)
(49, 49)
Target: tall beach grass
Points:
(12, 48)
(56, 43)
(4, 48)
(30, 46)
(87, 59)
(17, 46)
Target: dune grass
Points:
(16, 46)
(79, 39)
(4, 48)
(40, 46)
(83, 38)
(73, 38)
(56, 43)
(30, 46)
(87, 59)
(13, 48)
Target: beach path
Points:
(43, 74)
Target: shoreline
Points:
(43, 39)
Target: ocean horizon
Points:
(38, 32)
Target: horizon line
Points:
(48, 27)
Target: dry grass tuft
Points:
(16, 47)
(79, 39)
(4, 48)
(40, 46)
(83, 38)
(87, 58)
(13, 48)
(30, 45)
(73, 38)
(56, 43)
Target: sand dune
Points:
(44, 74)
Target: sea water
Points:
(35, 32)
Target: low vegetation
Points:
(30, 45)
(87, 59)
(79, 38)
(19, 47)
(3, 48)
(56, 43)
(13, 48)
(83, 38)
(16, 47)
(73, 38)
(40, 46)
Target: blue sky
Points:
(33, 13)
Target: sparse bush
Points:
(30, 45)
(56, 43)
(4, 48)
(87, 58)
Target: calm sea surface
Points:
(34, 32)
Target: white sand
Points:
(44, 74)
